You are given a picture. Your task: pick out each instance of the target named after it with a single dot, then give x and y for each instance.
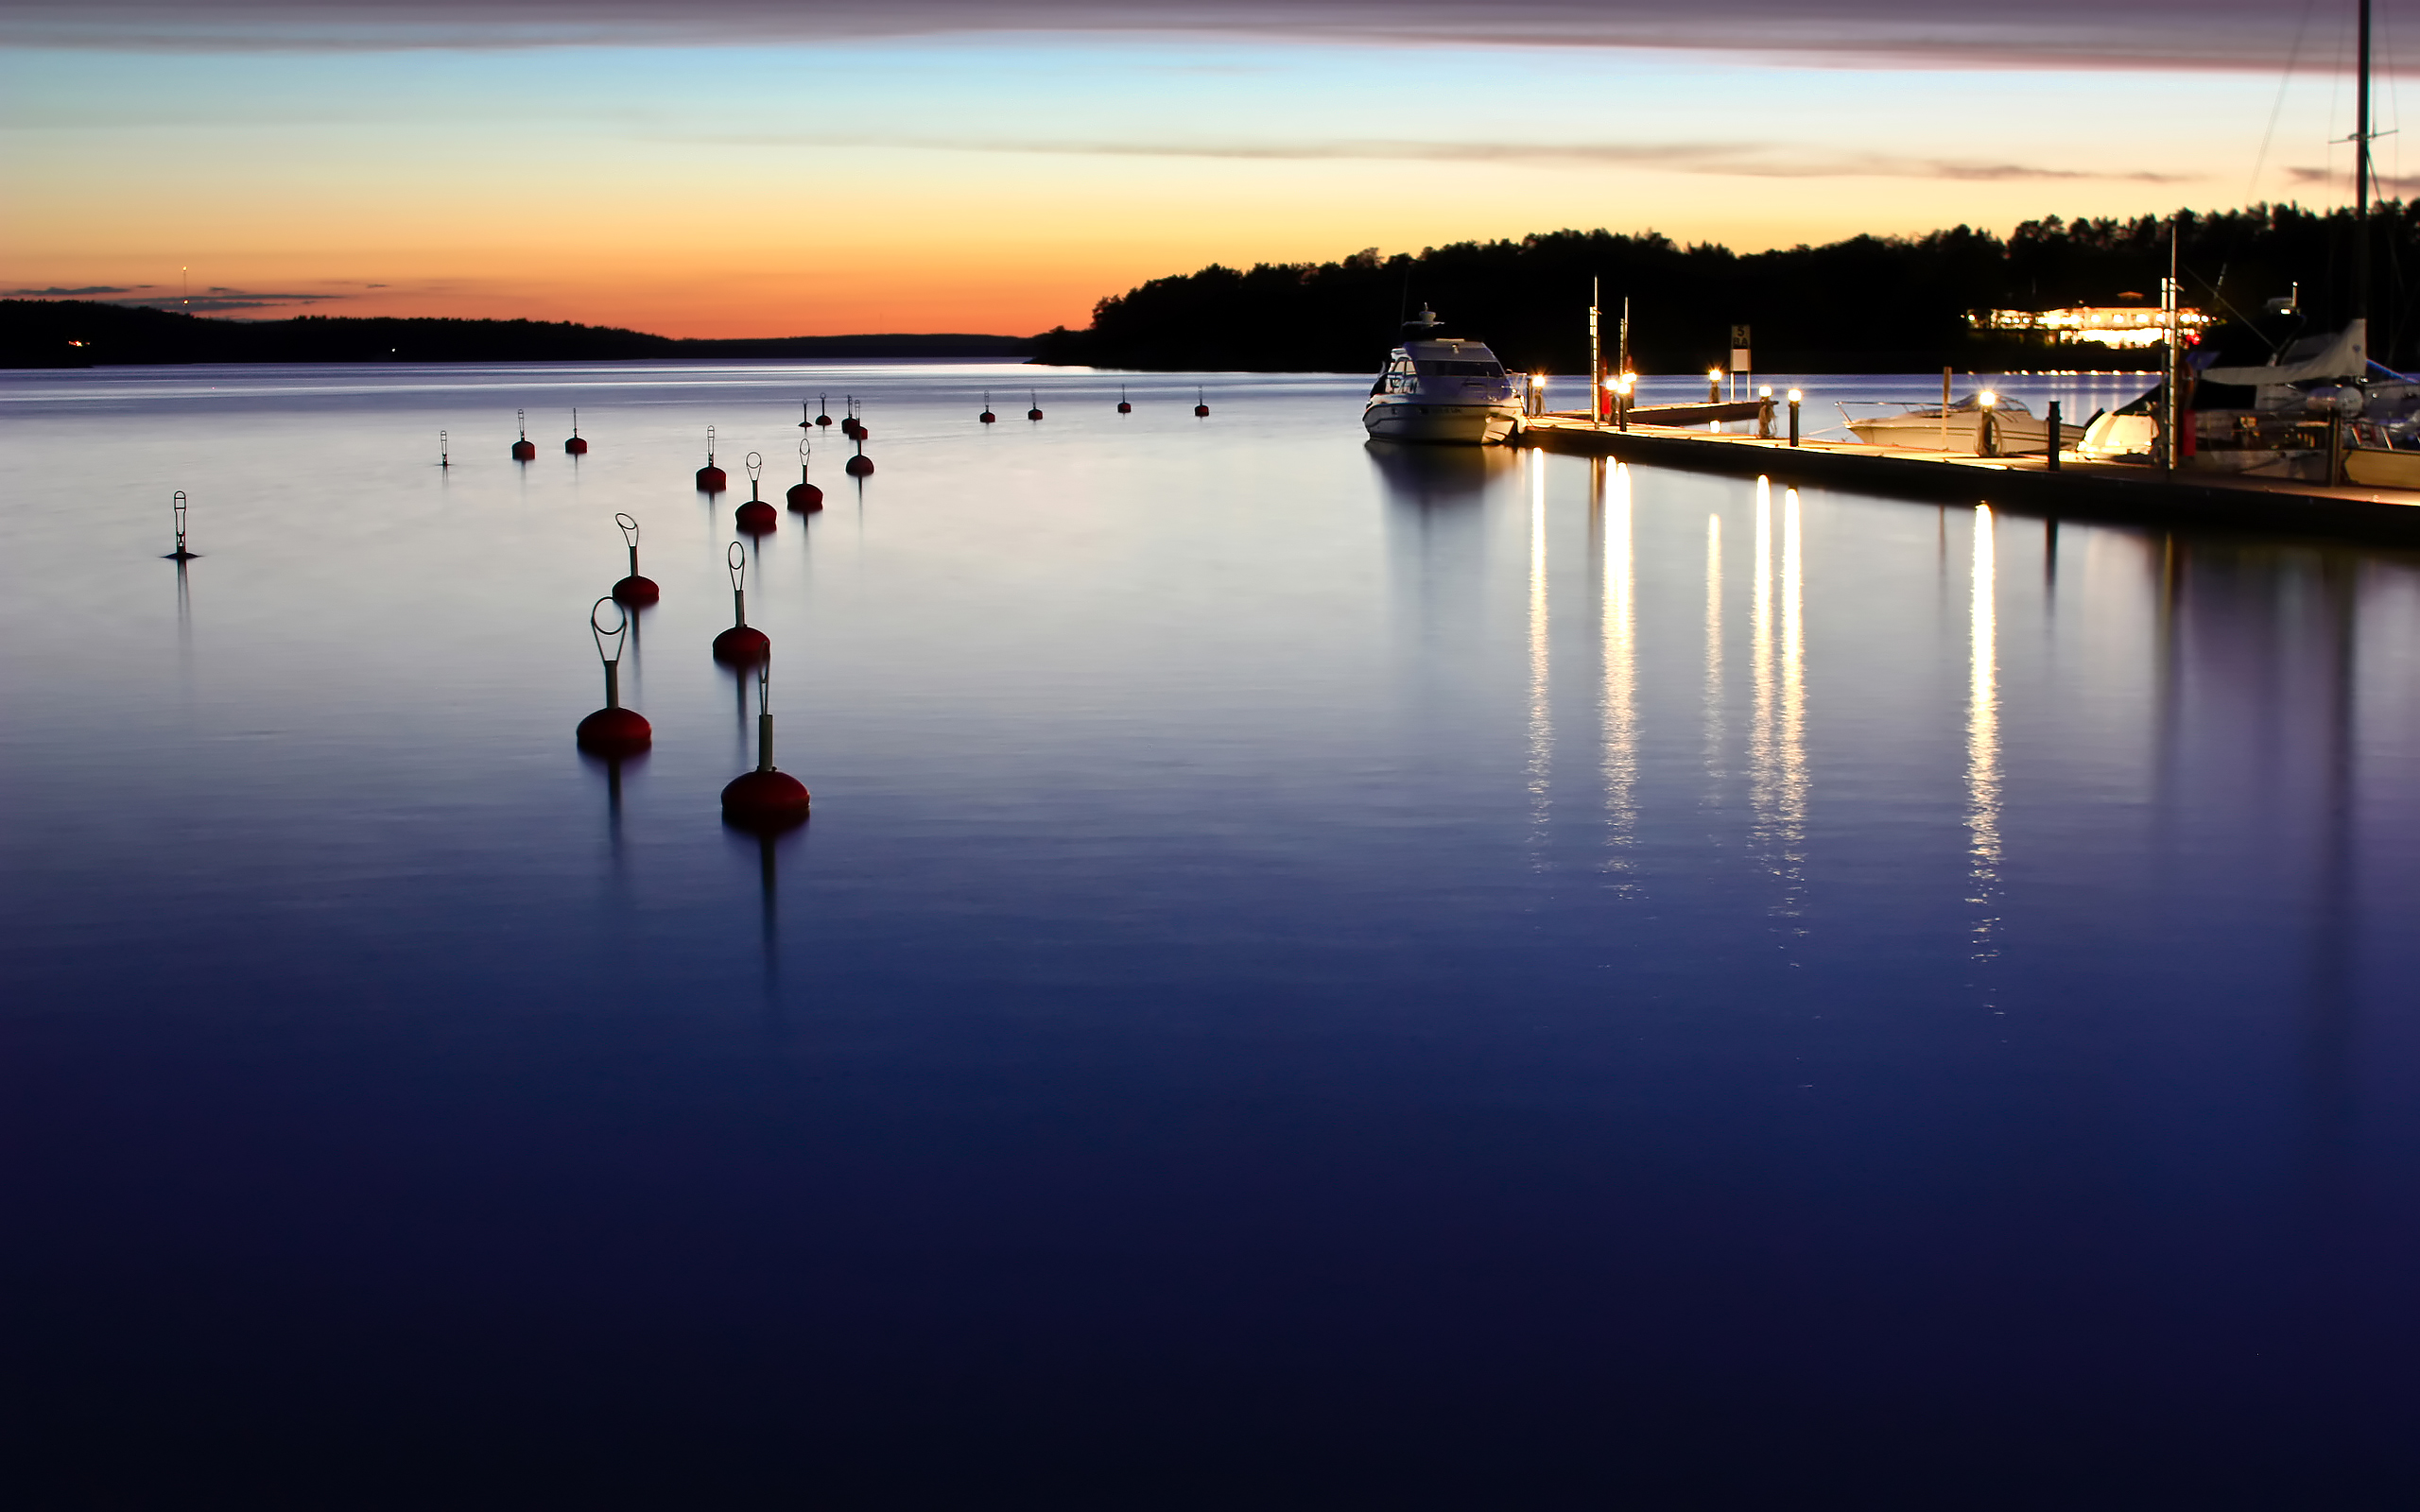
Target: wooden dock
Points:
(2106, 490)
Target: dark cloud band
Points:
(2051, 33)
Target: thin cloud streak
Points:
(1746, 160)
(2248, 34)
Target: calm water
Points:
(1319, 976)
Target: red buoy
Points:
(741, 646)
(633, 589)
(824, 416)
(1202, 407)
(710, 477)
(1123, 407)
(756, 517)
(860, 466)
(804, 497)
(576, 446)
(613, 731)
(524, 450)
(1035, 413)
(765, 799)
(986, 417)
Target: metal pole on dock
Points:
(1945, 409)
(2056, 440)
(1596, 358)
(2361, 175)
(2168, 449)
(1794, 397)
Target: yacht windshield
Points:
(1431, 368)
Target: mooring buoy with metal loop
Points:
(710, 477)
(524, 450)
(1200, 406)
(986, 417)
(574, 445)
(804, 497)
(741, 646)
(767, 799)
(633, 589)
(1123, 407)
(823, 410)
(443, 461)
(756, 517)
(613, 731)
(177, 508)
(1035, 399)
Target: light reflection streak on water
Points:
(1713, 648)
(1983, 742)
(1541, 714)
(1789, 747)
(1763, 765)
(1618, 634)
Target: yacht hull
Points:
(2014, 434)
(1389, 419)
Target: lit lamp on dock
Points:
(1765, 413)
(1714, 386)
(1794, 397)
(1983, 437)
(1622, 386)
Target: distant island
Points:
(1867, 305)
(83, 333)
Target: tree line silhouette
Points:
(1866, 304)
(84, 333)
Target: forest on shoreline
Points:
(1866, 304)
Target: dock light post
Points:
(1983, 439)
(1621, 400)
(1765, 413)
(1794, 397)
(1714, 386)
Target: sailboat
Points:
(2318, 410)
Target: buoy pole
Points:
(613, 731)
(764, 799)
(177, 509)
(633, 589)
(443, 461)
(741, 646)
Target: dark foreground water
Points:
(1319, 976)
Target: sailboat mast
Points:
(2361, 174)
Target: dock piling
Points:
(1794, 397)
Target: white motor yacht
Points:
(1438, 387)
(2016, 430)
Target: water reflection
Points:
(1442, 474)
(1778, 783)
(1540, 707)
(1983, 744)
(1617, 637)
(1714, 721)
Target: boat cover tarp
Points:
(2342, 356)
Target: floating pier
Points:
(2075, 489)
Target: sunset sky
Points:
(773, 169)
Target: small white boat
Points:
(2016, 430)
(1442, 388)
